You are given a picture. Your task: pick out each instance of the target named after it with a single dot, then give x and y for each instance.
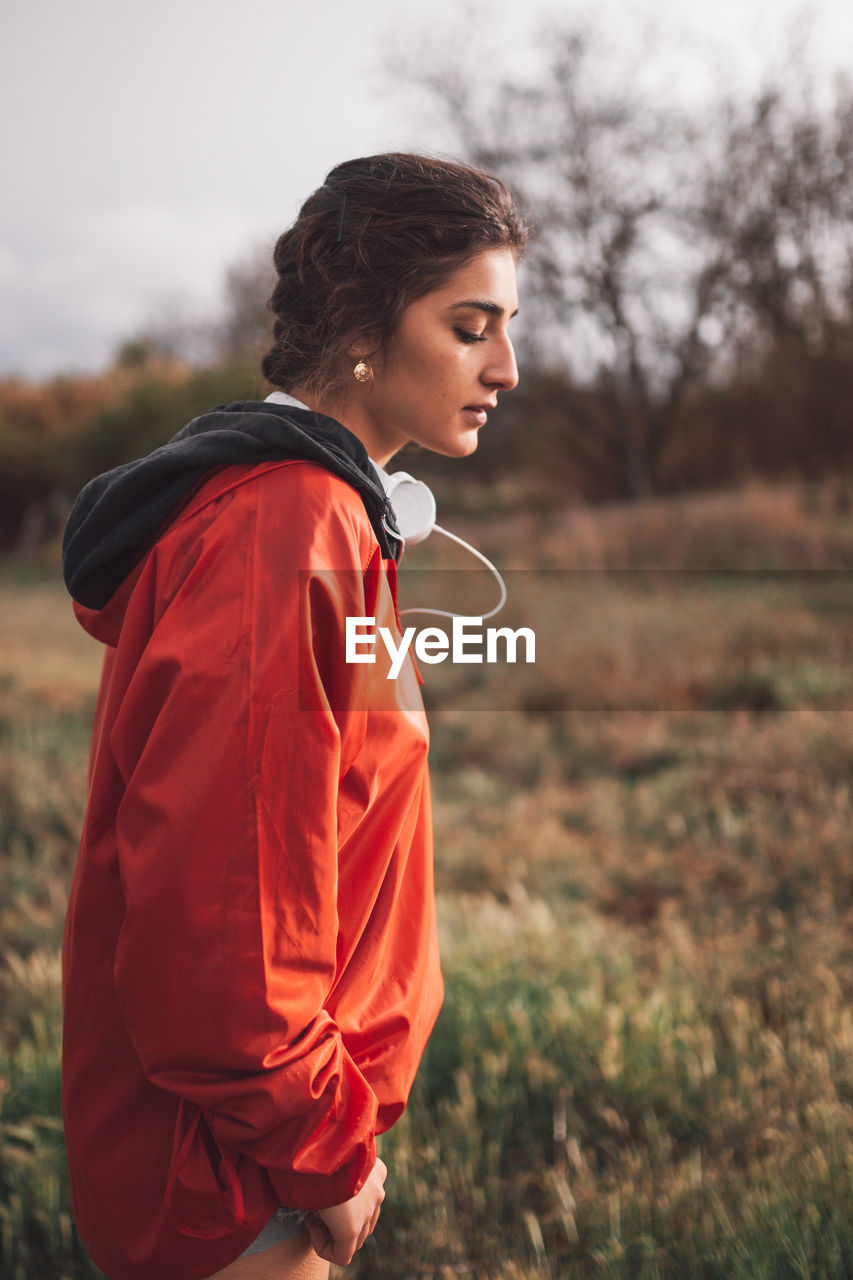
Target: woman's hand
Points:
(337, 1233)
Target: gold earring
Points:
(362, 371)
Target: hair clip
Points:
(342, 222)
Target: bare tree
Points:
(776, 200)
(664, 241)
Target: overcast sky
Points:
(147, 146)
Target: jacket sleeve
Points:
(232, 747)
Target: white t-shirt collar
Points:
(281, 397)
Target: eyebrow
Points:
(481, 304)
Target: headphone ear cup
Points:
(414, 506)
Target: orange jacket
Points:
(250, 958)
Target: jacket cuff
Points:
(314, 1191)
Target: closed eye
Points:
(465, 335)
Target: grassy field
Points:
(644, 1065)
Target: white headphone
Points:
(413, 503)
(414, 507)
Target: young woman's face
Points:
(445, 365)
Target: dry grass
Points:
(44, 653)
(758, 526)
(644, 1067)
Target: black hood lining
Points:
(119, 515)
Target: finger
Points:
(339, 1248)
(319, 1234)
(381, 1168)
(329, 1251)
(341, 1252)
(368, 1228)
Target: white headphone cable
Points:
(444, 613)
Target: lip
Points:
(477, 413)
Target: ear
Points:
(363, 347)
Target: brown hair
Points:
(380, 232)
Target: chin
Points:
(462, 447)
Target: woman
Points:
(250, 962)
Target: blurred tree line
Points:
(689, 291)
(687, 300)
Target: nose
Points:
(501, 372)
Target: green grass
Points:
(644, 1064)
